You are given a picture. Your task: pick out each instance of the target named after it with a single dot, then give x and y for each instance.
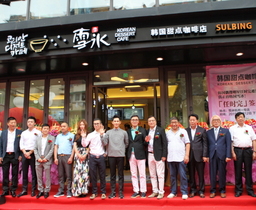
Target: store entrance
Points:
(125, 101)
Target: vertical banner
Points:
(232, 89)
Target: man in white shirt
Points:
(44, 157)
(177, 158)
(97, 158)
(243, 152)
(27, 146)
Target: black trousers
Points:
(193, 167)
(97, 164)
(217, 165)
(116, 162)
(7, 161)
(25, 165)
(243, 157)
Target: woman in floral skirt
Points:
(81, 171)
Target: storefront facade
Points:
(148, 61)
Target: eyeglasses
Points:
(96, 123)
(134, 120)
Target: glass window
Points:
(2, 103)
(38, 66)
(19, 68)
(3, 69)
(129, 77)
(82, 7)
(17, 101)
(77, 102)
(56, 101)
(199, 93)
(133, 4)
(16, 11)
(47, 8)
(36, 101)
(177, 97)
(171, 2)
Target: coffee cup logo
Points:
(38, 45)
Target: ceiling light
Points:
(239, 54)
(111, 107)
(118, 79)
(141, 80)
(133, 107)
(85, 64)
(97, 75)
(132, 86)
(160, 59)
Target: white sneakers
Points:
(171, 195)
(184, 197)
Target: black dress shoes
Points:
(13, 193)
(46, 195)
(33, 193)
(252, 194)
(112, 195)
(121, 195)
(22, 193)
(39, 194)
(5, 193)
(238, 194)
(191, 195)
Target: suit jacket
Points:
(3, 143)
(199, 145)
(159, 144)
(138, 144)
(222, 146)
(48, 151)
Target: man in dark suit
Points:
(137, 157)
(157, 153)
(219, 142)
(10, 154)
(197, 156)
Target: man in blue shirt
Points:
(63, 157)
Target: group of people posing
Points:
(177, 147)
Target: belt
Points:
(63, 155)
(151, 152)
(96, 156)
(10, 153)
(243, 148)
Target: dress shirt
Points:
(94, 141)
(240, 137)
(64, 143)
(10, 140)
(44, 140)
(28, 139)
(216, 132)
(193, 132)
(151, 141)
(176, 145)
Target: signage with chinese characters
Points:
(231, 89)
(178, 30)
(16, 45)
(123, 34)
(82, 38)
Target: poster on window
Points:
(232, 89)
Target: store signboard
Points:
(232, 89)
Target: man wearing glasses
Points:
(137, 157)
(97, 158)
